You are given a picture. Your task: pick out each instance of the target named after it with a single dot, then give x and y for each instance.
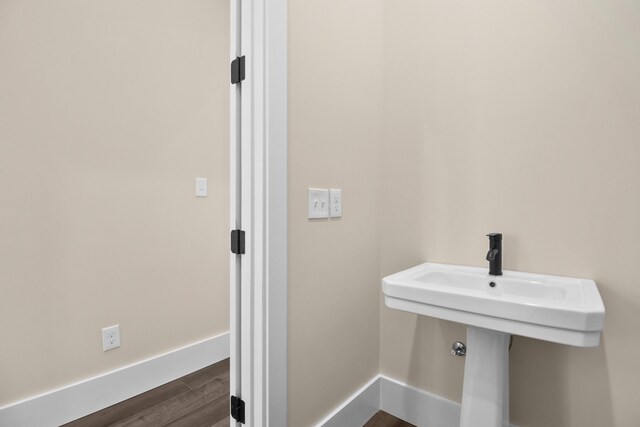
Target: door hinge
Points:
(237, 70)
(237, 409)
(237, 241)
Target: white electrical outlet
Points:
(110, 337)
(335, 202)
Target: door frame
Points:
(258, 155)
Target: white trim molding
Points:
(417, 406)
(401, 400)
(82, 398)
(357, 409)
(276, 198)
(258, 278)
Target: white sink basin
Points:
(558, 309)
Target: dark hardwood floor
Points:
(383, 419)
(198, 399)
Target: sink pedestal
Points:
(485, 394)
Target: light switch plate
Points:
(201, 187)
(318, 203)
(335, 203)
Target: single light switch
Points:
(335, 202)
(201, 187)
(318, 203)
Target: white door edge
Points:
(259, 170)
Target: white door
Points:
(240, 386)
(258, 212)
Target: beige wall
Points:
(335, 105)
(108, 111)
(522, 118)
(495, 116)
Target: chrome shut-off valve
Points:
(458, 349)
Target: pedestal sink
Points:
(558, 309)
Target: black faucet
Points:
(494, 256)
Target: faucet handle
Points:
(494, 236)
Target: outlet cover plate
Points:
(335, 202)
(110, 337)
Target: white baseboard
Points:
(357, 409)
(403, 401)
(417, 406)
(76, 400)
